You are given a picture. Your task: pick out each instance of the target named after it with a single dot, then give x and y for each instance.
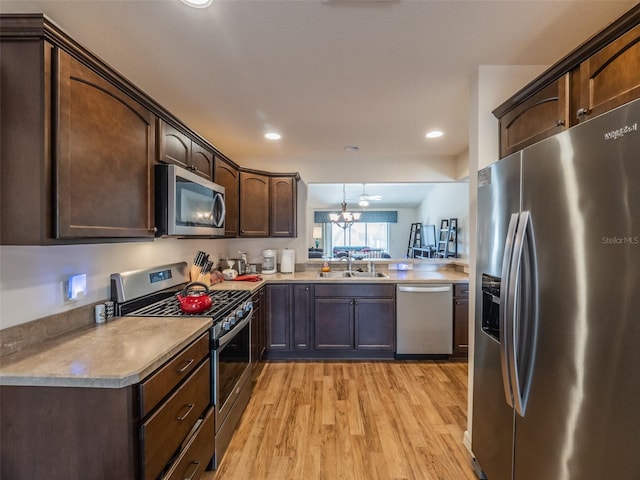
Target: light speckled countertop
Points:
(128, 349)
(444, 273)
(111, 355)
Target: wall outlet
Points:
(77, 287)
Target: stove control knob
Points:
(231, 320)
(239, 313)
(226, 326)
(248, 305)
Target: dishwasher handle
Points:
(407, 288)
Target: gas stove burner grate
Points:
(224, 302)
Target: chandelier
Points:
(344, 219)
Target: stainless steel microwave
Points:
(187, 204)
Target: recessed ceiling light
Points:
(197, 3)
(272, 136)
(434, 134)
(352, 148)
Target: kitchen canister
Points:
(288, 261)
(269, 261)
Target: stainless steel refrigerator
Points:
(556, 392)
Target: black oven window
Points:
(233, 359)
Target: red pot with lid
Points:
(194, 300)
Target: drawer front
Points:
(461, 290)
(355, 290)
(197, 454)
(167, 428)
(161, 383)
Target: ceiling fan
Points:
(364, 200)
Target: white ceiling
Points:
(325, 74)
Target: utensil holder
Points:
(194, 273)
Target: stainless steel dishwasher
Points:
(424, 315)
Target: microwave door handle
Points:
(219, 198)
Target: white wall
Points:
(462, 166)
(491, 86)
(358, 167)
(32, 271)
(399, 232)
(444, 201)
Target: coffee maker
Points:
(268, 261)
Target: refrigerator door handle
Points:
(505, 301)
(513, 311)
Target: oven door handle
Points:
(228, 336)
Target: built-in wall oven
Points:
(151, 292)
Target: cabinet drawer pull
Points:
(190, 406)
(189, 362)
(195, 463)
(559, 123)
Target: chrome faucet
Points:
(349, 259)
(371, 267)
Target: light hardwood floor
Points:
(352, 421)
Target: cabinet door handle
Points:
(190, 407)
(196, 463)
(189, 362)
(582, 112)
(559, 123)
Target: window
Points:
(365, 234)
(372, 231)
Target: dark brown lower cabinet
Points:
(301, 318)
(79, 433)
(354, 320)
(374, 324)
(355, 323)
(288, 317)
(461, 320)
(333, 323)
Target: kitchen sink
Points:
(336, 274)
(368, 275)
(352, 274)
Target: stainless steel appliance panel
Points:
(424, 319)
(582, 189)
(492, 434)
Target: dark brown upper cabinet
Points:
(178, 148)
(77, 150)
(283, 199)
(268, 204)
(540, 116)
(79, 142)
(254, 205)
(611, 76)
(601, 74)
(228, 176)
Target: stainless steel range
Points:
(152, 293)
